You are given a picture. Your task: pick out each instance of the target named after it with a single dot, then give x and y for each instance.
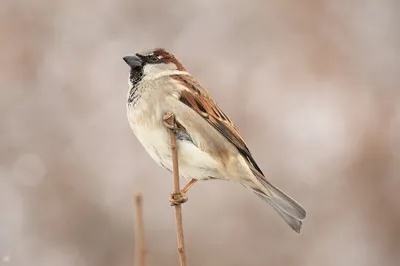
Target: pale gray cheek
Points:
(149, 70)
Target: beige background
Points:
(312, 85)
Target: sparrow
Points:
(209, 146)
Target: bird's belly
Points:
(192, 161)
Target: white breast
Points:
(146, 122)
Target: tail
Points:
(288, 209)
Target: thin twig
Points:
(170, 120)
(140, 246)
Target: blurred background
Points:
(311, 85)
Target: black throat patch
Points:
(135, 77)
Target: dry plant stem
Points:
(169, 120)
(140, 247)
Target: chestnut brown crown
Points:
(154, 61)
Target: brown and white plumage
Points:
(209, 145)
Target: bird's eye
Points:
(153, 59)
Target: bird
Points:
(209, 146)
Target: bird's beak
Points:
(133, 60)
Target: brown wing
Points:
(199, 100)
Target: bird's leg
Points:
(189, 185)
(180, 197)
(170, 122)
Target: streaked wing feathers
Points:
(199, 100)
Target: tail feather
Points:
(293, 222)
(289, 210)
(283, 201)
(290, 220)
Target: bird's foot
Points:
(177, 198)
(169, 121)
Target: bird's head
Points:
(152, 64)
